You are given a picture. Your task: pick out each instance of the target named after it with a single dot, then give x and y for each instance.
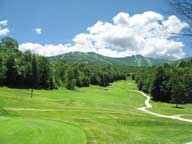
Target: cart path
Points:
(148, 105)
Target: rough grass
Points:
(103, 115)
(187, 116)
(170, 109)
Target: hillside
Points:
(90, 57)
(187, 60)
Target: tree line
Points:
(26, 70)
(23, 70)
(83, 75)
(167, 83)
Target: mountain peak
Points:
(94, 58)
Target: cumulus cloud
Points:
(3, 28)
(142, 34)
(49, 49)
(38, 31)
(4, 23)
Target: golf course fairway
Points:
(89, 115)
(31, 131)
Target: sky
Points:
(107, 27)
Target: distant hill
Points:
(186, 60)
(93, 58)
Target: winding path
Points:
(148, 105)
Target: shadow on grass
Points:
(178, 107)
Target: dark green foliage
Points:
(11, 73)
(9, 43)
(26, 70)
(23, 70)
(178, 89)
(45, 73)
(168, 83)
(70, 79)
(2, 71)
(160, 87)
(35, 73)
(82, 75)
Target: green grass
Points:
(170, 109)
(89, 115)
(32, 131)
(187, 116)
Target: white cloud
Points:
(128, 35)
(3, 28)
(38, 31)
(49, 49)
(174, 25)
(4, 22)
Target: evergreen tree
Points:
(11, 73)
(2, 72)
(35, 77)
(45, 73)
(178, 90)
(160, 90)
(70, 80)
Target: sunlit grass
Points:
(104, 115)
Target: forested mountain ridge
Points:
(26, 70)
(93, 58)
(180, 61)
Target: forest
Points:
(26, 70)
(167, 83)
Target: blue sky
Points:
(62, 19)
(59, 21)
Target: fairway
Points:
(31, 131)
(86, 115)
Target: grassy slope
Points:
(105, 115)
(170, 109)
(32, 131)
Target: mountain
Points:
(93, 58)
(186, 60)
